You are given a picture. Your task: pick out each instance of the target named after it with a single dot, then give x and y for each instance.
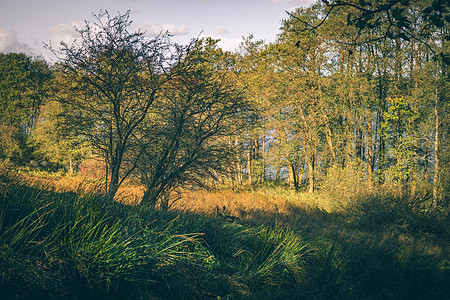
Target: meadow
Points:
(61, 238)
(333, 138)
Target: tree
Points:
(386, 99)
(303, 62)
(54, 143)
(110, 79)
(23, 88)
(254, 66)
(187, 133)
(394, 17)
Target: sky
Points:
(25, 25)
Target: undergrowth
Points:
(57, 243)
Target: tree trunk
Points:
(311, 167)
(70, 165)
(277, 174)
(330, 141)
(293, 179)
(238, 163)
(263, 167)
(300, 172)
(114, 182)
(240, 172)
(381, 151)
(301, 167)
(113, 186)
(291, 175)
(249, 165)
(436, 181)
(369, 153)
(148, 199)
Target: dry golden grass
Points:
(260, 205)
(64, 183)
(264, 205)
(128, 193)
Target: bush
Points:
(344, 184)
(380, 211)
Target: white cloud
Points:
(222, 30)
(227, 44)
(153, 29)
(10, 43)
(64, 32)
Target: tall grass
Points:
(57, 243)
(60, 242)
(274, 256)
(65, 245)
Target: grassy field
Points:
(60, 238)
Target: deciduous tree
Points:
(23, 88)
(110, 78)
(187, 133)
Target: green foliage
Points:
(401, 212)
(275, 257)
(24, 83)
(75, 247)
(398, 127)
(10, 148)
(55, 144)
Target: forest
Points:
(313, 167)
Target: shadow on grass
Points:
(380, 247)
(56, 244)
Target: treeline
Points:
(357, 94)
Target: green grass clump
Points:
(274, 255)
(58, 244)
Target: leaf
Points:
(361, 24)
(427, 10)
(435, 18)
(404, 2)
(445, 58)
(437, 5)
(363, 3)
(397, 13)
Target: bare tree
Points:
(110, 78)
